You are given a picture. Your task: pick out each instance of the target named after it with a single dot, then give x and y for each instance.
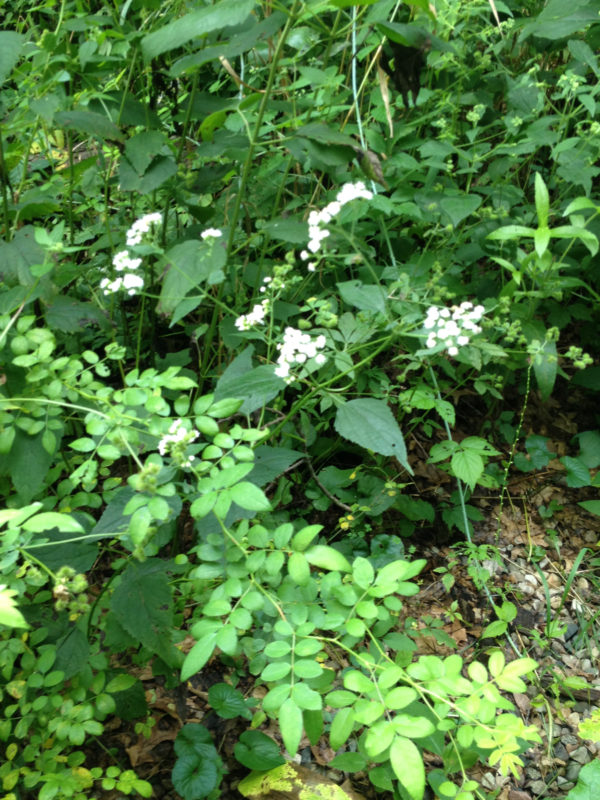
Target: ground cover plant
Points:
(280, 285)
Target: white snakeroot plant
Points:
(211, 233)
(254, 317)
(297, 347)
(452, 327)
(176, 441)
(142, 226)
(122, 261)
(317, 219)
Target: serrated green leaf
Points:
(371, 424)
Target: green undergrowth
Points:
(254, 256)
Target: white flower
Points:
(211, 233)
(176, 441)
(296, 348)
(132, 283)
(255, 317)
(450, 325)
(317, 219)
(135, 234)
(122, 261)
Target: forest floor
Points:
(543, 557)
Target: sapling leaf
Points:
(290, 724)
(408, 766)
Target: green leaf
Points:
(90, 123)
(342, 726)
(545, 367)
(290, 724)
(51, 519)
(228, 702)
(257, 385)
(299, 569)
(371, 424)
(190, 264)
(9, 613)
(325, 557)
(143, 605)
(593, 506)
(256, 750)
(578, 474)
(400, 697)
(408, 766)
(588, 783)
(459, 208)
(304, 537)
(363, 296)
(198, 655)
(10, 50)
(196, 771)
(250, 497)
(195, 25)
(542, 201)
(561, 18)
(349, 762)
(467, 466)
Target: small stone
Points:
(581, 755)
(590, 536)
(488, 781)
(573, 772)
(574, 719)
(538, 787)
(534, 773)
(560, 751)
(568, 738)
(517, 794)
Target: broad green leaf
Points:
(51, 519)
(290, 725)
(325, 557)
(379, 738)
(194, 25)
(90, 123)
(342, 726)
(593, 506)
(413, 727)
(459, 208)
(578, 474)
(363, 296)
(408, 766)
(302, 539)
(228, 702)
(190, 264)
(9, 613)
(561, 18)
(257, 385)
(250, 497)
(10, 50)
(588, 783)
(467, 466)
(195, 774)
(299, 569)
(256, 750)
(371, 424)
(198, 656)
(143, 605)
(400, 697)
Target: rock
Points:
(573, 771)
(538, 787)
(581, 755)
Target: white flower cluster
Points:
(211, 233)
(452, 327)
(255, 317)
(317, 219)
(130, 282)
(297, 347)
(141, 226)
(176, 441)
(124, 263)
